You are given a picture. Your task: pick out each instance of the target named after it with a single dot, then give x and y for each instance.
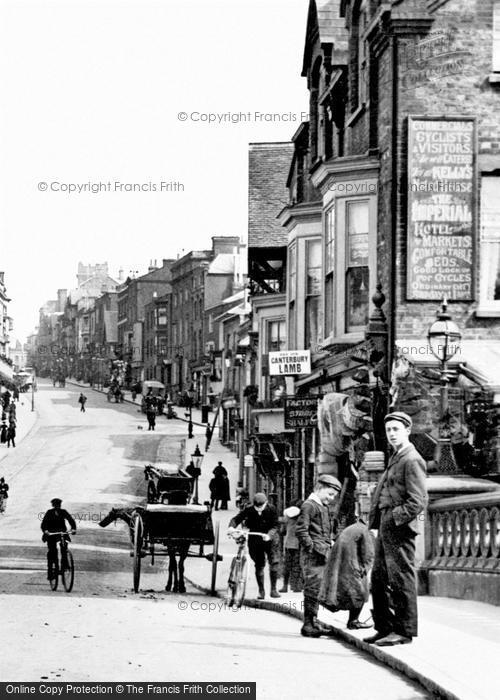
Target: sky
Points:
(100, 95)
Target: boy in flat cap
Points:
(314, 533)
(261, 517)
(399, 498)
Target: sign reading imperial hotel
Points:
(288, 362)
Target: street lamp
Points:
(32, 392)
(194, 470)
(444, 341)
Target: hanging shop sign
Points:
(301, 412)
(441, 196)
(288, 362)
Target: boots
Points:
(308, 629)
(284, 587)
(274, 581)
(259, 575)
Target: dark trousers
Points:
(151, 420)
(313, 566)
(82, 408)
(394, 585)
(260, 550)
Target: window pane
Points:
(357, 231)
(330, 240)
(292, 262)
(357, 297)
(313, 286)
(312, 322)
(490, 239)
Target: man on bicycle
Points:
(261, 517)
(55, 520)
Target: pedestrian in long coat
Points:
(219, 491)
(3, 433)
(11, 434)
(345, 580)
(292, 573)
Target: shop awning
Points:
(479, 359)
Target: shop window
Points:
(329, 269)
(489, 292)
(357, 280)
(313, 293)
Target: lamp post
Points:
(444, 341)
(32, 392)
(190, 414)
(196, 460)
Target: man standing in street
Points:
(314, 533)
(399, 498)
(261, 517)
(82, 401)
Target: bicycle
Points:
(63, 566)
(238, 572)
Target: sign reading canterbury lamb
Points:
(287, 362)
(301, 412)
(441, 191)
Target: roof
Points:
(268, 166)
(325, 24)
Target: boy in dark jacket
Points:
(315, 538)
(261, 517)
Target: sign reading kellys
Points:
(287, 362)
(441, 195)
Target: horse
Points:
(175, 548)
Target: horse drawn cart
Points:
(168, 525)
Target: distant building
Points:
(6, 326)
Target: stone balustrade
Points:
(463, 551)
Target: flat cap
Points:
(329, 480)
(259, 499)
(56, 502)
(403, 418)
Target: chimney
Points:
(224, 244)
(121, 275)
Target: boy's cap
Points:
(403, 418)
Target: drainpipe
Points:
(394, 203)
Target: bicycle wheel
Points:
(68, 572)
(234, 574)
(54, 579)
(240, 583)
(138, 530)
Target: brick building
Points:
(133, 297)
(394, 182)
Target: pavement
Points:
(456, 653)
(25, 421)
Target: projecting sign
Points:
(289, 362)
(441, 195)
(301, 412)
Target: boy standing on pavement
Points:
(261, 517)
(399, 498)
(314, 533)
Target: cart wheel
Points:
(214, 557)
(138, 530)
(152, 495)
